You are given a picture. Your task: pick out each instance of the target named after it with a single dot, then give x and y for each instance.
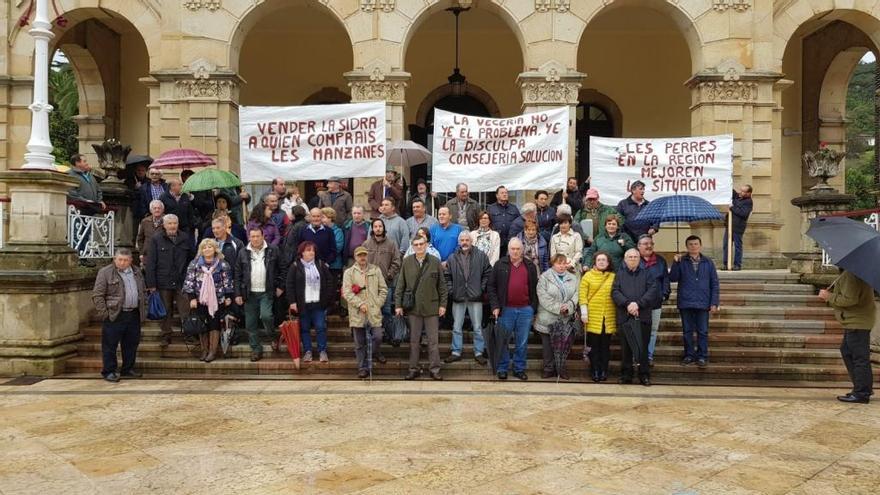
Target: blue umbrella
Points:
(851, 245)
(678, 209)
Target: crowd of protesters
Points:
(525, 268)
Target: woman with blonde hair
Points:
(208, 284)
(598, 313)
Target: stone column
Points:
(39, 155)
(553, 85)
(44, 295)
(727, 99)
(376, 83)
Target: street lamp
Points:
(457, 81)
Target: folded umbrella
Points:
(502, 343)
(211, 178)
(632, 333)
(290, 333)
(561, 339)
(182, 158)
(226, 333)
(489, 344)
(679, 208)
(851, 245)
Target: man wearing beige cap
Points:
(595, 212)
(364, 289)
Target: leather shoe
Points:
(436, 376)
(563, 375)
(381, 358)
(853, 399)
(256, 356)
(502, 375)
(452, 358)
(480, 360)
(521, 375)
(363, 374)
(547, 374)
(131, 374)
(645, 381)
(112, 377)
(595, 376)
(412, 375)
(603, 376)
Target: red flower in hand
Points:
(356, 289)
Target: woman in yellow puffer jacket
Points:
(598, 313)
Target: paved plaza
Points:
(274, 436)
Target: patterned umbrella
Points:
(678, 209)
(182, 158)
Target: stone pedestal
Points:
(121, 200)
(808, 261)
(44, 294)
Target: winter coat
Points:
(517, 225)
(296, 285)
(397, 230)
(339, 237)
(498, 284)
(636, 286)
(629, 209)
(108, 293)
(167, 262)
(542, 264)
(472, 212)
(431, 293)
(598, 216)
(696, 289)
(611, 245)
(853, 303)
(503, 217)
(660, 271)
(479, 269)
(373, 292)
(741, 209)
(377, 194)
(325, 242)
(195, 277)
(275, 275)
(270, 231)
(230, 250)
(145, 196)
(146, 231)
(386, 256)
(342, 205)
(88, 189)
(494, 248)
(571, 246)
(595, 294)
(553, 295)
(181, 207)
(546, 221)
(348, 250)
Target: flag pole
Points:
(729, 260)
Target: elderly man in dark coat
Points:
(635, 292)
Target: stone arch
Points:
(445, 90)
(92, 119)
(429, 9)
(797, 15)
(832, 95)
(327, 95)
(142, 15)
(686, 20)
(259, 10)
(610, 106)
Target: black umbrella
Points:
(497, 339)
(133, 160)
(851, 245)
(489, 343)
(561, 338)
(632, 332)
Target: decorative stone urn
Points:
(823, 164)
(111, 159)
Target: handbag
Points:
(155, 308)
(193, 325)
(408, 299)
(400, 330)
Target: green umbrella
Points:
(210, 178)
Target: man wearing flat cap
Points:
(337, 198)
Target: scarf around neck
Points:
(208, 292)
(313, 276)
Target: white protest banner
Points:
(698, 166)
(524, 152)
(312, 142)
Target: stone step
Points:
(347, 366)
(760, 313)
(766, 288)
(670, 352)
(759, 276)
(760, 300)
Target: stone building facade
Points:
(160, 74)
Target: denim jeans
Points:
(695, 321)
(655, 326)
(125, 331)
(518, 321)
(309, 317)
(257, 310)
(737, 249)
(475, 309)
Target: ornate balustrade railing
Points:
(90, 236)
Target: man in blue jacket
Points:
(698, 294)
(740, 208)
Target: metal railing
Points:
(90, 236)
(872, 220)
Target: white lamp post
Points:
(39, 155)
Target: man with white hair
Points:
(513, 297)
(469, 270)
(149, 192)
(179, 204)
(529, 212)
(635, 293)
(170, 252)
(148, 227)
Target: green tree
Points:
(860, 181)
(64, 98)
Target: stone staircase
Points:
(771, 330)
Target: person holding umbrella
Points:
(365, 290)
(698, 295)
(557, 298)
(635, 292)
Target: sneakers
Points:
(702, 363)
(324, 358)
(687, 361)
(307, 357)
(480, 360)
(452, 358)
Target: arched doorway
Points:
(596, 115)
